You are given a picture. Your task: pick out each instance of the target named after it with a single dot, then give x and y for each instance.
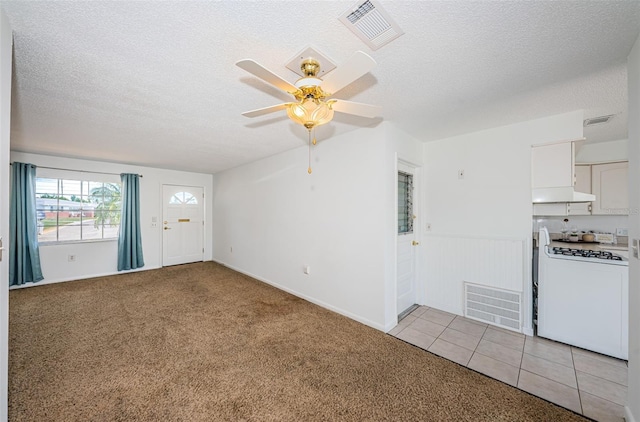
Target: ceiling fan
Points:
(312, 107)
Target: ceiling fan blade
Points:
(358, 109)
(359, 64)
(265, 110)
(266, 75)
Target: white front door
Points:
(407, 243)
(183, 228)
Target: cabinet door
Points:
(583, 178)
(610, 184)
(551, 210)
(579, 208)
(552, 165)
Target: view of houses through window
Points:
(74, 210)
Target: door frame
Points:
(161, 222)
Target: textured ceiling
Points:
(154, 83)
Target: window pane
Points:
(68, 227)
(94, 188)
(69, 188)
(46, 186)
(90, 230)
(405, 203)
(85, 188)
(111, 231)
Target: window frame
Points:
(85, 182)
(408, 202)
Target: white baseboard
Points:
(628, 417)
(335, 309)
(528, 332)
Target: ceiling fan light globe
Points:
(310, 113)
(297, 113)
(322, 114)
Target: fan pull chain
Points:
(314, 136)
(309, 169)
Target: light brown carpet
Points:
(200, 342)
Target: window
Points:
(183, 198)
(75, 210)
(405, 203)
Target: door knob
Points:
(167, 228)
(414, 243)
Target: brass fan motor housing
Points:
(310, 67)
(310, 91)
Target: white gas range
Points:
(587, 255)
(583, 297)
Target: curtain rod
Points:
(79, 171)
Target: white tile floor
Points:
(587, 383)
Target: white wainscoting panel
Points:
(450, 261)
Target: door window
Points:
(405, 203)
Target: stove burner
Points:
(585, 253)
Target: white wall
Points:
(338, 220)
(633, 408)
(492, 203)
(100, 258)
(6, 43)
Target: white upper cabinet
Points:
(562, 209)
(552, 165)
(583, 178)
(610, 184)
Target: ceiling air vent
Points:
(371, 24)
(597, 120)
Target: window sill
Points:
(71, 242)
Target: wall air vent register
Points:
(499, 307)
(597, 120)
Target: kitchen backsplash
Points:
(596, 223)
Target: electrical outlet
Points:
(154, 225)
(622, 232)
(71, 258)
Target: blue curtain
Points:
(129, 240)
(24, 255)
